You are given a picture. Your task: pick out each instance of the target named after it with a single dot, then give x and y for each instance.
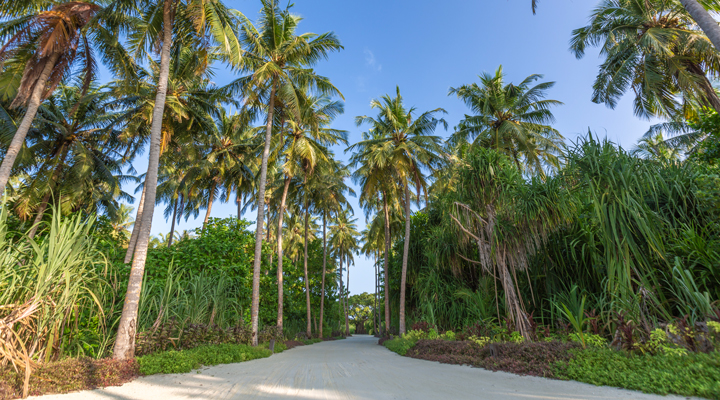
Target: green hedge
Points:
(175, 362)
(695, 374)
(400, 345)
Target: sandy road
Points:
(355, 368)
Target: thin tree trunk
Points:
(342, 289)
(127, 328)
(267, 239)
(703, 18)
(64, 150)
(375, 327)
(286, 187)
(239, 202)
(255, 308)
(136, 228)
(19, 137)
(172, 225)
(347, 307)
(307, 283)
(387, 261)
(406, 249)
(209, 207)
(322, 287)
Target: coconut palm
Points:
(513, 119)
(703, 18)
(651, 47)
(305, 147)
(76, 156)
(343, 240)
(330, 193)
(655, 148)
(406, 148)
(278, 62)
(44, 41)
(162, 24)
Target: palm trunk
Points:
(127, 328)
(26, 123)
(209, 207)
(255, 308)
(387, 261)
(239, 202)
(136, 228)
(64, 150)
(322, 287)
(280, 253)
(375, 330)
(307, 283)
(703, 18)
(341, 297)
(406, 249)
(267, 239)
(172, 225)
(347, 308)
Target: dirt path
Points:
(355, 368)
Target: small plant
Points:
(576, 320)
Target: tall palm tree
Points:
(200, 23)
(46, 40)
(344, 241)
(653, 48)
(305, 147)
(330, 193)
(279, 63)
(513, 119)
(407, 146)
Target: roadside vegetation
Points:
(528, 252)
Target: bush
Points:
(399, 345)
(68, 376)
(694, 374)
(175, 362)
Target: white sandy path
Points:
(355, 368)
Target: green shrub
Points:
(175, 362)
(695, 374)
(400, 345)
(311, 341)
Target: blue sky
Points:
(426, 49)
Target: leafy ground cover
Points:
(68, 376)
(662, 363)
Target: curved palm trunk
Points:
(307, 283)
(26, 123)
(387, 260)
(127, 328)
(375, 327)
(322, 287)
(136, 228)
(406, 248)
(347, 307)
(281, 290)
(209, 207)
(267, 239)
(172, 225)
(46, 199)
(255, 308)
(703, 18)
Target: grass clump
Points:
(175, 362)
(400, 345)
(694, 374)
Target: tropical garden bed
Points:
(664, 363)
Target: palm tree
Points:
(45, 44)
(655, 148)
(513, 119)
(344, 241)
(703, 18)
(305, 147)
(651, 47)
(330, 199)
(409, 149)
(278, 62)
(122, 222)
(76, 151)
(198, 22)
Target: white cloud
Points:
(370, 60)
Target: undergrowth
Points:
(175, 362)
